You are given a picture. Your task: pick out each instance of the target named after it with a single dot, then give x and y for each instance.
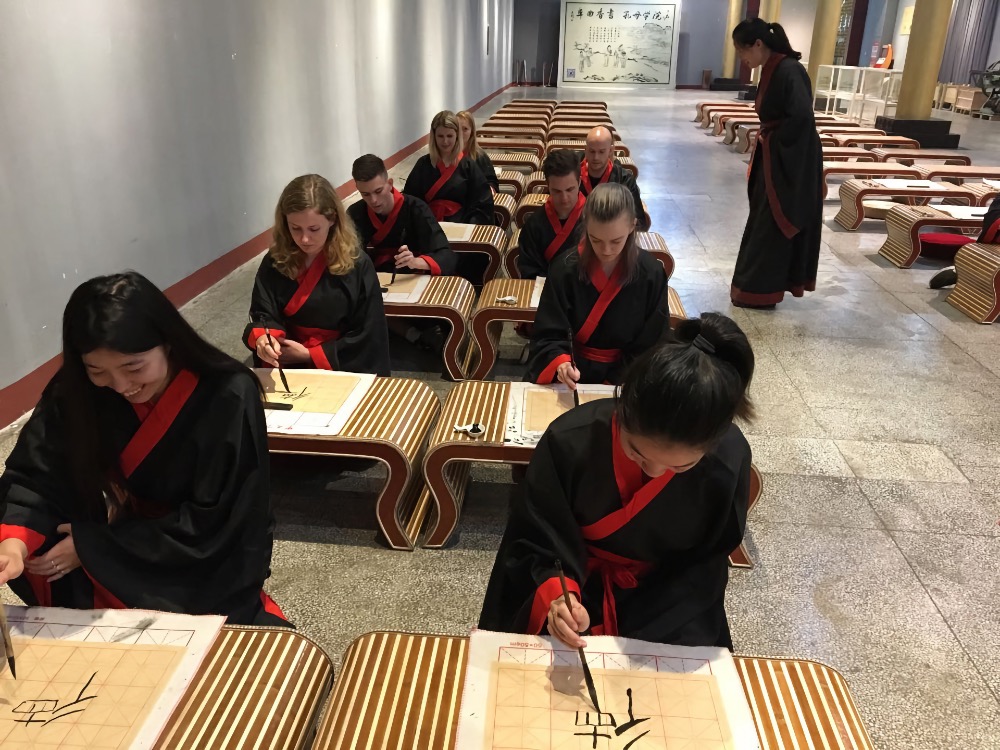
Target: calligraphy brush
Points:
(587, 677)
(576, 391)
(270, 341)
(402, 241)
(8, 645)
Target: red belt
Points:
(312, 337)
(614, 570)
(443, 209)
(607, 356)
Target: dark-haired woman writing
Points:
(641, 497)
(141, 478)
(603, 305)
(780, 248)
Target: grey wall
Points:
(536, 35)
(798, 17)
(156, 135)
(900, 43)
(995, 44)
(701, 35)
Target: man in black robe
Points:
(658, 574)
(548, 233)
(399, 231)
(600, 166)
(989, 236)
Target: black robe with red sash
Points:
(650, 556)
(991, 224)
(410, 223)
(544, 237)
(485, 165)
(197, 536)
(339, 319)
(780, 248)
(614, 172)
(612, 323)
(458, 193)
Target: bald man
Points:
(599, 167)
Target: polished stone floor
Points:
(877, 539)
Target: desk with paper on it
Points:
(322, 400)
(406, 288)
(531, 408)
(457, 232)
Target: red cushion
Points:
(942, 245)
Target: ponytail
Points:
(688, 390)
(772, 35)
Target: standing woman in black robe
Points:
(468, 122)
(780, 248)
(316, 300)
(641, 497)
(141, 478)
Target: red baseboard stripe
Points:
(22, 395)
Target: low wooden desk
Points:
(391, 425)
(488, 240)
(699, 108)
(520, 161)
(547, 105)
(710, 110)
(838, 153)
(595, 117)
(579, 144)
(535, 146)
(258, 688)
(866, 169)
(957, 172)
(977, 291)
(847, 129)
(447, 298)
(416, 680)
(875, 141)
(854, 192)
(732, 124)
(514, 180)
(503, 209)
(570, 129)
(746, 137)
(910, 155)
(903, 224)
(530, 117)
(512, 130)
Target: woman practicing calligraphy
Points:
(780, 248)
(316, 300)
(641, 497)
(602, 305)
(141, 478)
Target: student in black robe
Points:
(609, 297)
(141, 478)
(482, 159)
(600, 167)
(398, 231)
(316, 291)
(641, 497)
(780, 248)
(549, 233)
(448, 180)
(989, 236)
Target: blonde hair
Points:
(607, 203)
(313, 192)
(445, 119)
(472, 149)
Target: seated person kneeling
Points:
(548, 233)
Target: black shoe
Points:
(945, 277)
(748, 306)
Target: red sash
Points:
(312, 337)
(636, 492)
(382, 229)
(443, 208)
(157, 421)
(307, 283)
(563, 231)
(991, 236)
(608, 289)
(585, 177)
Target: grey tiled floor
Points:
(877, 538)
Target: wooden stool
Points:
(521, 162)
(903, 224)
(513, 180)
(977, 291)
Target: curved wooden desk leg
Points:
(447, 502)
(739, 557)
(481, 329)
(454, 339)
(494, 265)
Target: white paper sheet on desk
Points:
(993, 183)
(298, 421)
(517, 407)
(498, 170)
(411, 284)
(457, 232)
(962, 212)
(908, 184)
(536, 292)
(106, 637)
(527, 691)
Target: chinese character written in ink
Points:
(44, 711)
(590, 14)
(600, 13)
(579, 13)
(608, 723)
(626, 16)
(611, 13)
(294, 396)
(657, 16)
(645, 16)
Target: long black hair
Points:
(125, 313)
(688, 390)
(772, 35)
